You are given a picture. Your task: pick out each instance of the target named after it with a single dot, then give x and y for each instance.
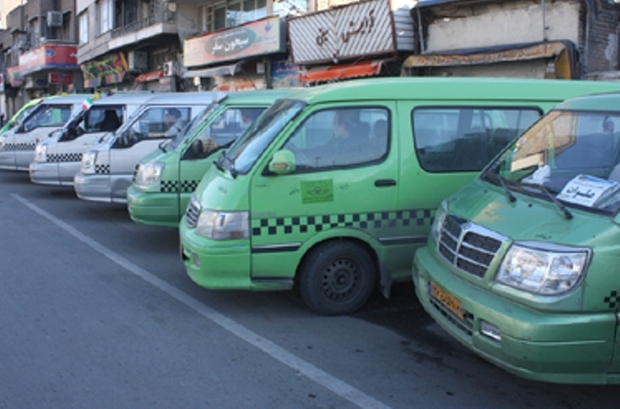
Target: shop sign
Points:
(49, 57)
(59, 78)
(359, 29)
(285, 75)
(260, 37)
(15, 78)
(109, 70)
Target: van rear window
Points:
(466, 139)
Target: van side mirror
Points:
(282, 163)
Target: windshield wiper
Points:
(232, 170)
(500, 179)
(567, 214)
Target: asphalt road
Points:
(97, 312)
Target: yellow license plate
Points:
(447, 300)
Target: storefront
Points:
(367, 38)
(250, 56)
(49, 69)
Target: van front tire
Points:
(337, 278)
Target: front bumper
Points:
(7, 160)
(551, 347)
(153, 208)
(93, 187)
(45, 173)
(215, 265)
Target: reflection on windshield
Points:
(572, 155)
(244, 152)
(190, 128)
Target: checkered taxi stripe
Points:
(174, 186)
(363, 221)
(64, 157)
(102, 169)
(19, 146)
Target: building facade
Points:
(39, 51)
(568, 39)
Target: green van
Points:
(166, 178)
(333, 188)
(521, 263)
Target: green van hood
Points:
(220, 191)
(528, 218)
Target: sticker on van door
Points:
(317, 191)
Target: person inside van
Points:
(110, 121)
(173, 121)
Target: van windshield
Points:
(189, 129)
(245, 151)
(571, 158)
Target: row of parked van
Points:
(333, 190)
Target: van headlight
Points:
(440, 217)
(40, 153)
(88, 162)
(543, 269)
(223, 225)
(149, 174)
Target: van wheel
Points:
(337, 278)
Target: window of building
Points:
(83, 28)
(232, 13)
(106, 15)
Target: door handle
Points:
(385, 182)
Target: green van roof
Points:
(601, 102)
(452, 88)
(257, 96)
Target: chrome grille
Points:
(467, 246)
(135, 173)
(192, 213)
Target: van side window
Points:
(47, 116)
(230, 125)
(102, 119)
(466, 139)
(343, 137)
(155, 123)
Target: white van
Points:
(17, 145)
(57, 159)
(107, 169)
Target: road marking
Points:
(319, 376)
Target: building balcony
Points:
(145, 28)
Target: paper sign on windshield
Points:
(587, 190)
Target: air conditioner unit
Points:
(137, 60)
(54, 18)
(170, 69)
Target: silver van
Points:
(17, 145)
(57, 159)
(107, 169)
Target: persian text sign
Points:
(255, 38)
(359, 29)
(49, 57)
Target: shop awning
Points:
(150, 76)
(490, 56)
(561, 53)
(230, 69)
(343, 71)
